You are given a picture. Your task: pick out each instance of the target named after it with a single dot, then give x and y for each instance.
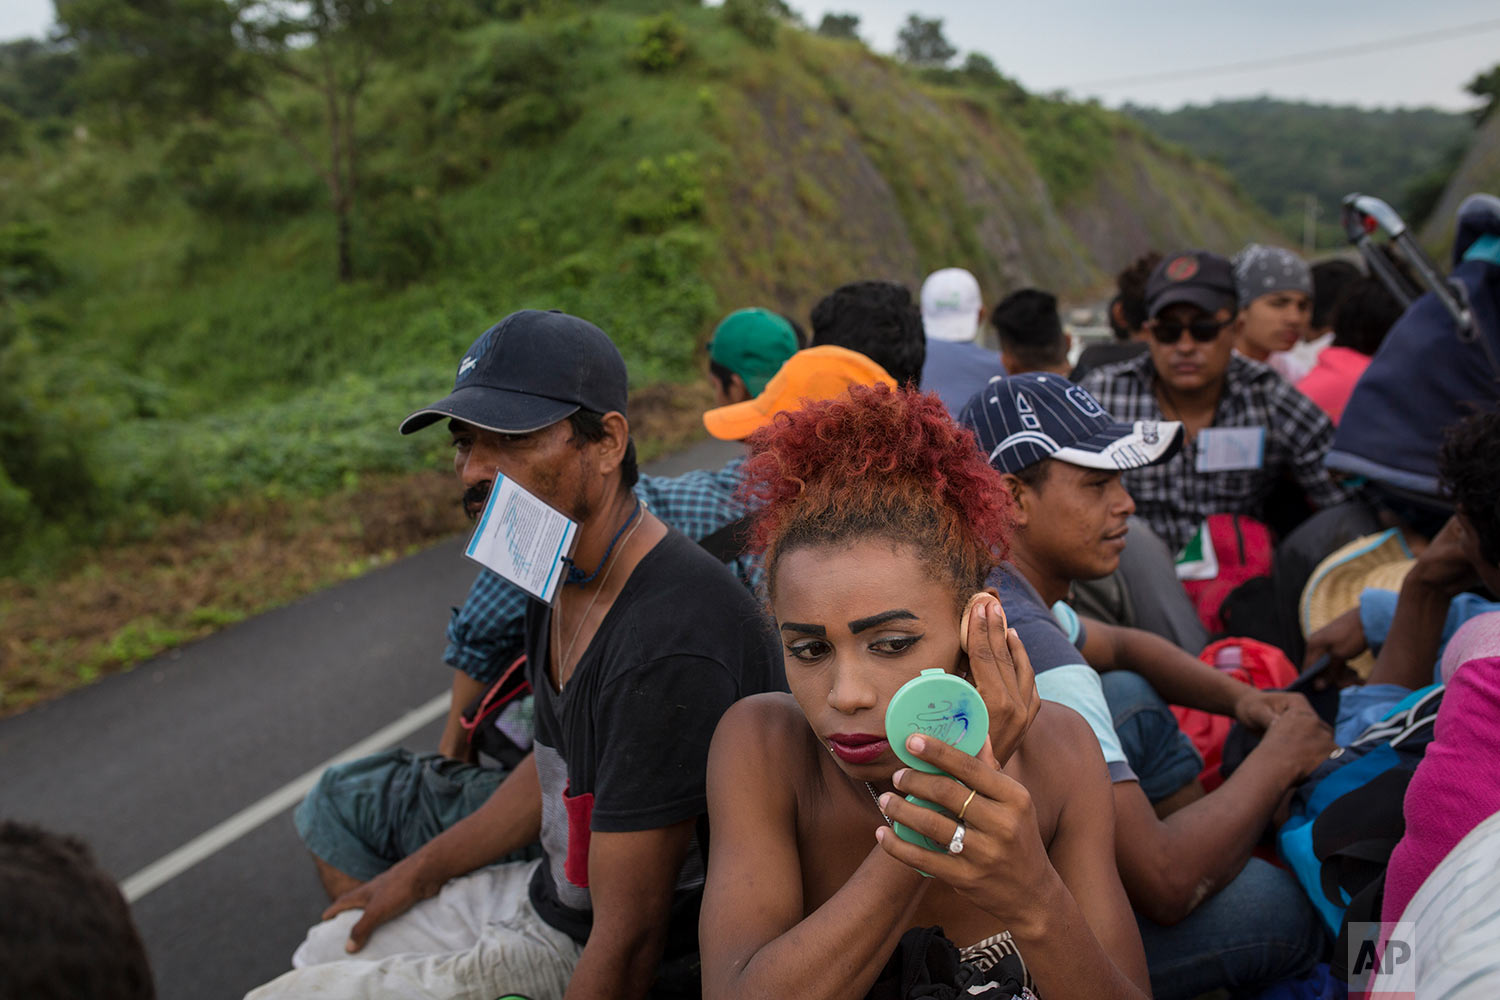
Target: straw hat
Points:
(1379, 561)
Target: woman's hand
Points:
(1002, 866)
(1001, 670)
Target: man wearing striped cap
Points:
(1210, 916)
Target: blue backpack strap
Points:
(1295, 839)
(1354, 836)
(1364, 908)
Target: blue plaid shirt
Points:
(487, 633)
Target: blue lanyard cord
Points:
(577, 576)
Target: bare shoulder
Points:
(1060, 736)
(763, 731)
(1059, 749)
(758, 764)
(762, 718)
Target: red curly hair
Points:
(878, 461)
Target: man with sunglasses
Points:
(1246, 428)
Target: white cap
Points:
(950, 305)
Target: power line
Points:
(1343, 51)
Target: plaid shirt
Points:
(487, 633)
(1172, 497)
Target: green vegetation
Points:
(175, 335)
(921, 42)
(1478, 171)
(1280, 153)
(1486, 87)
(840, 26)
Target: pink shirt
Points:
(1331, 382)
(1456, 786)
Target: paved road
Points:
(143, 763)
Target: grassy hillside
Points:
(848, 166)
(1280, 152)
(174, 344)
(208, 353)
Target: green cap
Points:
(754, 344)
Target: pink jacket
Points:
(1331, 382)
(1457, 785)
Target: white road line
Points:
(163, 870)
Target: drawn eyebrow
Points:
(858, 625)
(807, 629)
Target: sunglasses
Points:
(1202, 330)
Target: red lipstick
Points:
(858, 748)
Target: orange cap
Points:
(814, 374)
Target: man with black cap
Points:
(1210, 916)
(1246, 428)
(643, 647)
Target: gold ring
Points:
(965, 807)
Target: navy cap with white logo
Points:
(1022, 419)
(531, 370)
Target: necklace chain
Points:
(562, 660)
(871, 789)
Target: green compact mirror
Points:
(937, 704)
(945, 707)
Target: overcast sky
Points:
(1105, 48)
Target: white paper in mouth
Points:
(523, 539)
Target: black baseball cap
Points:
(529, 371)
(1196, 277)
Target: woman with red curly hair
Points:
(880, 522)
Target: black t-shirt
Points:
(624, 745)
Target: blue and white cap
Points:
(1022, 419)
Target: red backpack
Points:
(1260, 664)
(1243, 548)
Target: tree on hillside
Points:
(840, 26)
(46, 476)
(758, 20)
(786, 12)
(979, 66)
(920, 42)
(35, 78)
(1487, 87)
(208, 59)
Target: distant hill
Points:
(1478, 172)
(1279, 152)
(646, 165)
